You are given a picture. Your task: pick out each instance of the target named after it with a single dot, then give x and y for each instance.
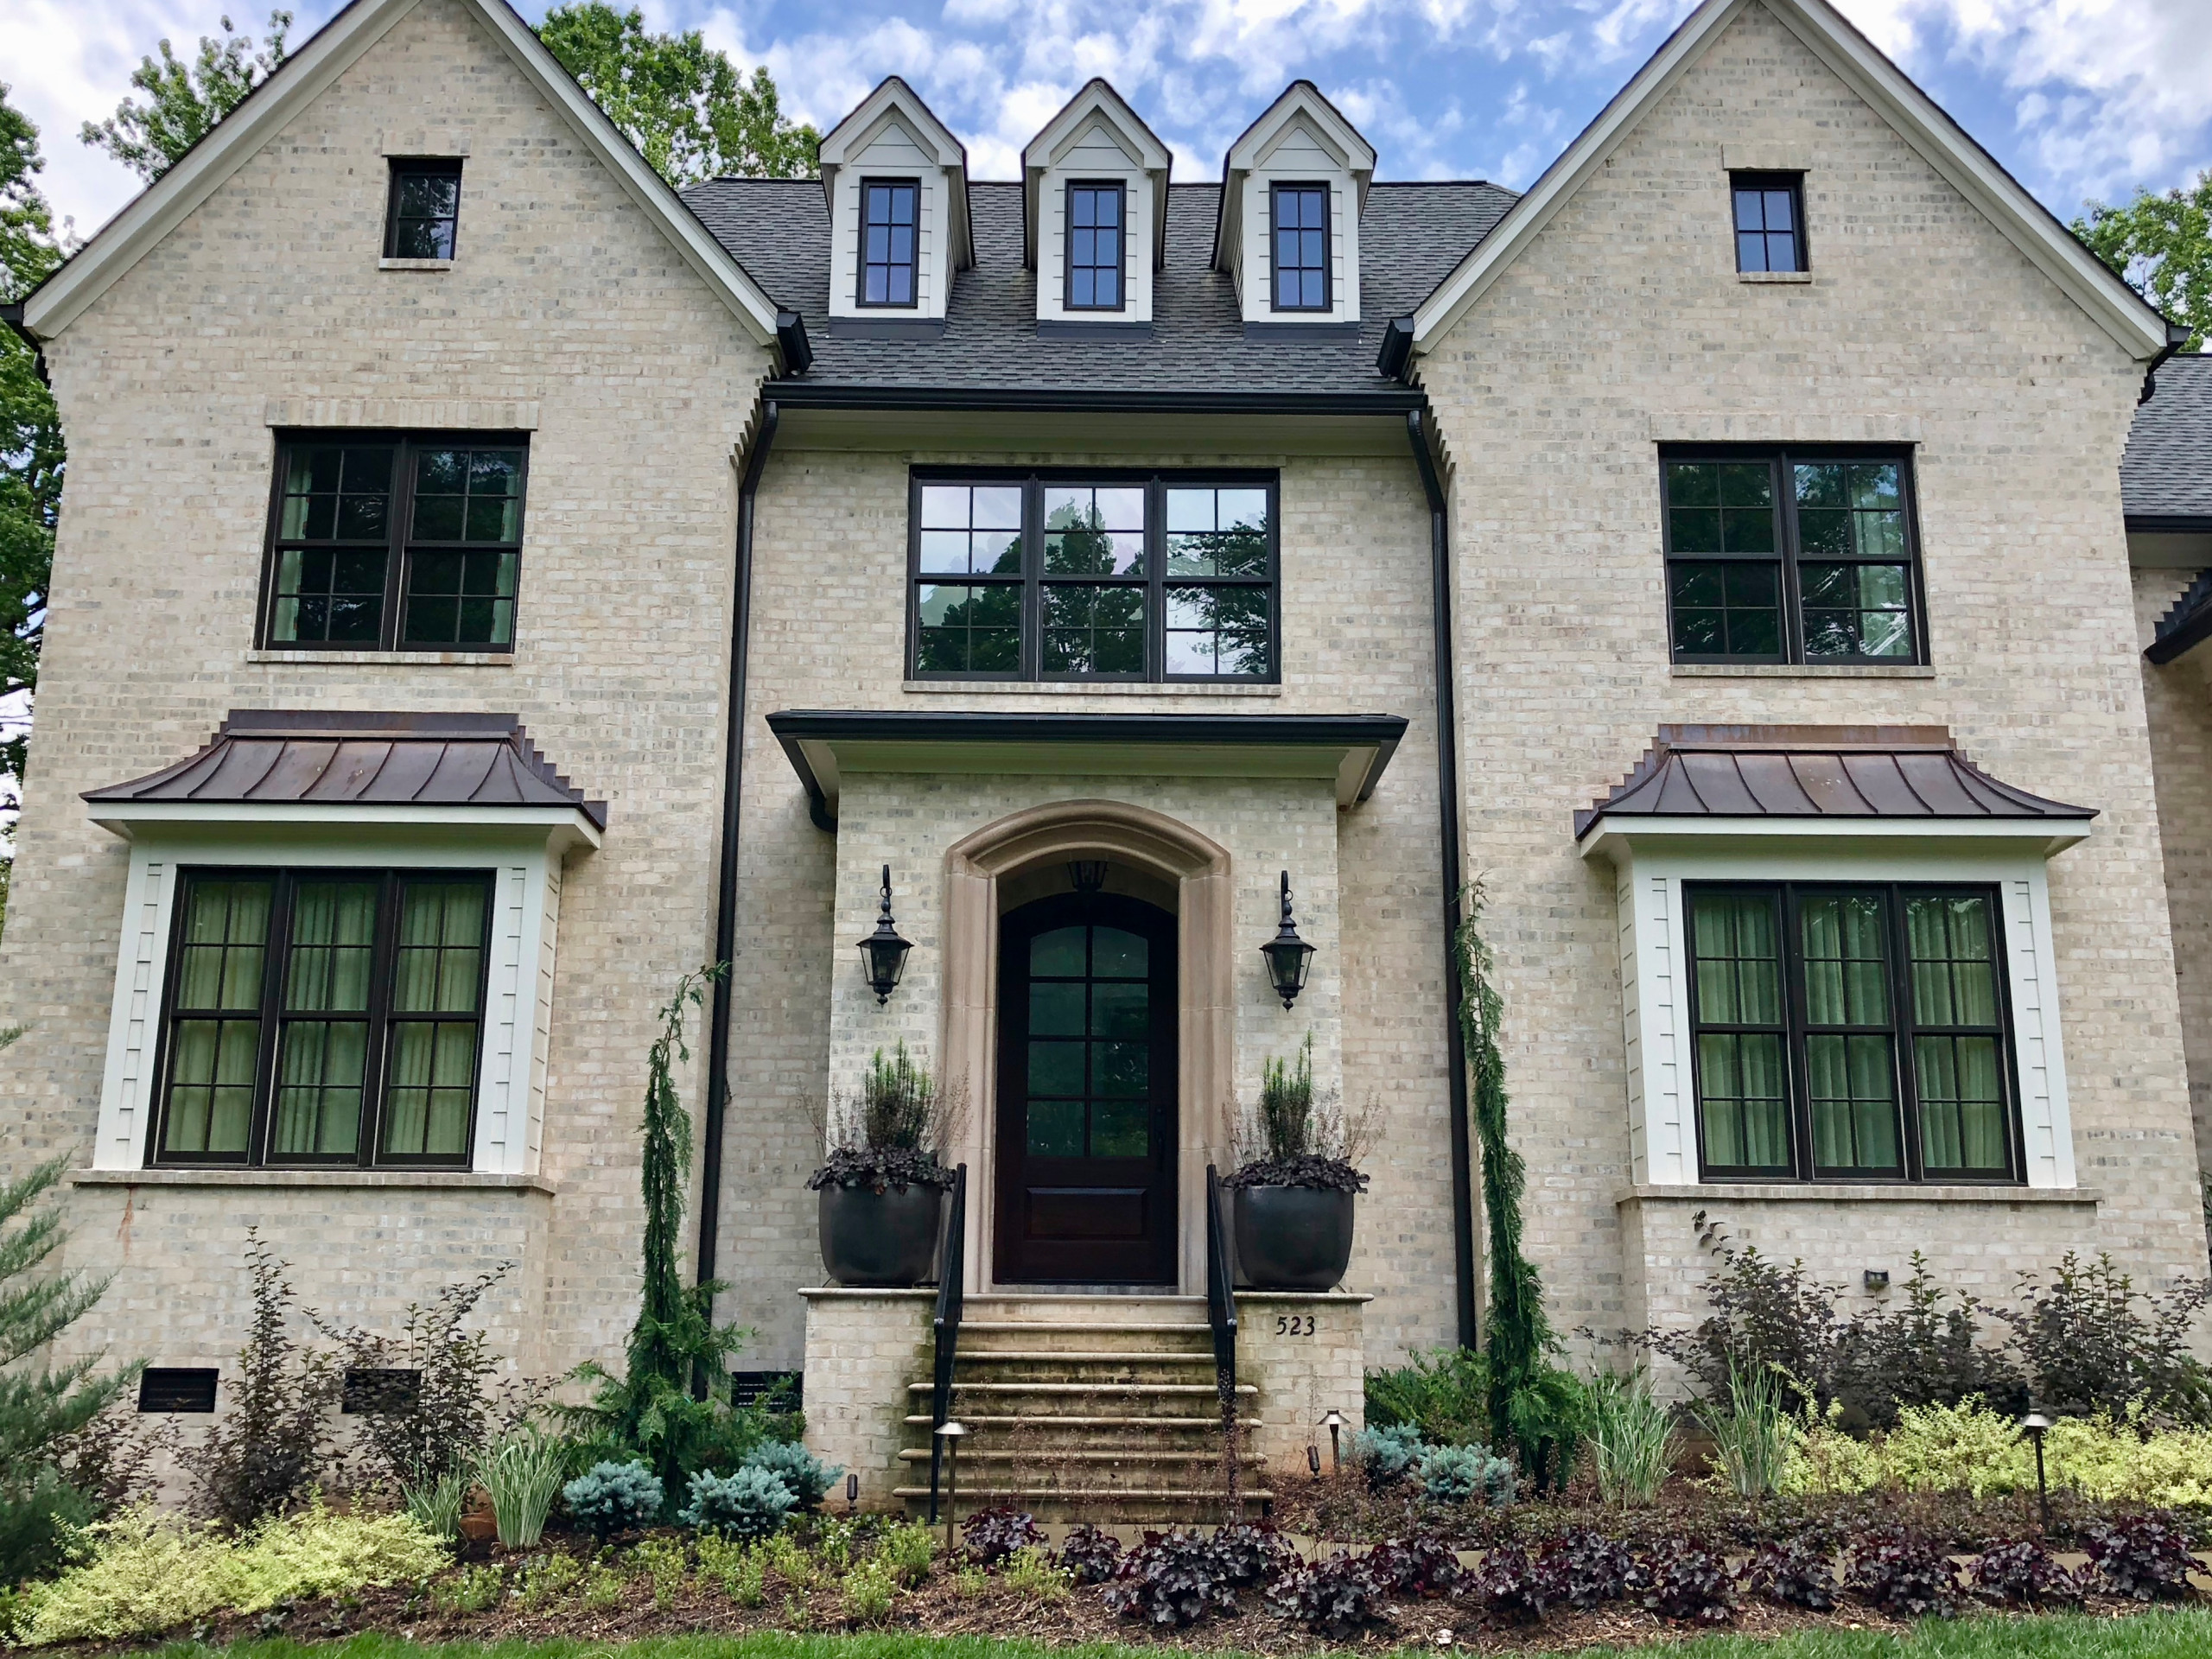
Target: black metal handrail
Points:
(1221, 1314)
(951, 1301)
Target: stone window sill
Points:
(390, 658)
(414, 264)
(1853, 1192)
(1085, 688)
(1801, 672)
(1774, 276)
(431, 1179)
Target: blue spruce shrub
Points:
(807, 1476)
(746, 1504)
(1388, 1453)
(1457, 1474)
(611, 1497)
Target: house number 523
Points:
(1294, 1324)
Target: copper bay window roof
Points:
(1814, 772)
(342, 757)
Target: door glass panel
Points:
(1117, 955)
(1090, 1053)
(1055, 1128)
(1123, 1011)
(1058, 953)
(1055, 1010)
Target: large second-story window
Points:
(890, 210)
(1850, 1033)
(1792, 556)
(1125, 577)
(1095, 242)
(1301, 234)
(394, 542)
(323, 1017)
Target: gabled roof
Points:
(352, 759)
(134, 233)
(1917, 120)
(1096, 99)
(1300, 99)
(1411, 235)
(2166, 476)
(892, 100)
(1813, 772)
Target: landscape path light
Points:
(951, 1432)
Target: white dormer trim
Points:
(893, 135)
(1095, 137)
(1917, 118)
(1300, 138)
(120, 243)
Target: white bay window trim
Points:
(1653, 857)
(522, 848)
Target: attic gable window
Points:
(1769, 221)
(889, 209)
(1301, 246)
(424, 217)
(1095, 217)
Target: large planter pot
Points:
(881, 1238)
(1293, 1237)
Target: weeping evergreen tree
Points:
(1531, 1403)
(40, 1404)
(671, 1406)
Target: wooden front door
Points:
(1086, 1093)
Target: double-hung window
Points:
(1119, 576)
(423, 215)
(1792, 555)
(890, 212)
(1851, 1032)
(1094, 247)
(395, 541)
(1300, 236)
(323, 1017)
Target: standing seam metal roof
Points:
(1411, 235)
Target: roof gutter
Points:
(1081, 400)
(1454, 871)
(710, 1173)
(2177, 337)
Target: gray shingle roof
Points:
(1411, 235)
(2166, 472)
(344, 758)
(1804, 772)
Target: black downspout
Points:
(710, 1173)
(1447, 784)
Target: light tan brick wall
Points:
(562, 295)
(1624, 324)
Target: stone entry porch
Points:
(1096, 1407)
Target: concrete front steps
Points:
(1097, 1408)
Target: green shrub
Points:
(605, 1587)
(610, 1497)
(909, 1547)
(791, 1561)
(522, 1474)
(1387, 1454)
(747, 1503)
(471, 1590)
(437, 1503)
(804, 1476)
(549, 1578)
(666, 1563)
(1443, 1397)
(1032, 1573)
(1458, 1474)
(148, 1573)
(870, 1588)
(739, 1566)
(1753, 1431)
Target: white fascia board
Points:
(1910, 112)
(566, 827)
(1300, 98)
(852, 135)
(1618, 839)
(135, 232)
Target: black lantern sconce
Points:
(1288, 956)
(883, 953)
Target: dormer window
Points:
(1094, 247)
(890, 207)
(1301, 247)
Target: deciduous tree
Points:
(183, 100)
(2162, 244)
(30, 430)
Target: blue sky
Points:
(2079, 97)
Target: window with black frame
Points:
(1769, 215)
(1121, 576)
(1094, 247)
(1850, 1033)
(395, 541)
(1300, 238)
(422, 218)
(317, 1016)
(1792, 556)
(890, 217)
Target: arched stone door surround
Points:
(1205, 1035)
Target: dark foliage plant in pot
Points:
(1298, 1181)
(882, 1189)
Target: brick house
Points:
(493, 583)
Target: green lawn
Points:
(2184, 1634)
